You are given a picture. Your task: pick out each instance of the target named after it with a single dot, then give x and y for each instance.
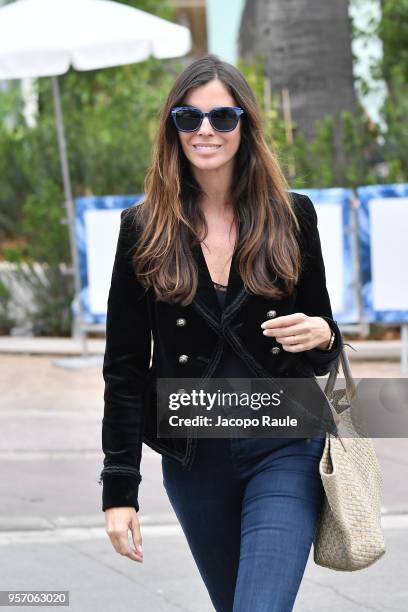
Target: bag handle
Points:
(350, 386)
(350, 382)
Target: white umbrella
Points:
(45, 37)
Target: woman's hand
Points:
(118, 522)
(298, 332)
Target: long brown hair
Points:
(171, 220)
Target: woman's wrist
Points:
(328, 345)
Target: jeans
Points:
(248, 508)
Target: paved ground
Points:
(52, 527)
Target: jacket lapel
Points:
(206, 297)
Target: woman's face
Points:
(206, 97)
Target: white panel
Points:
(389, 239)
(101, 231)
(330, 225)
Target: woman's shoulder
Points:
(306, 215)
(131, 219)
(303, 206)
(129, 229)
(130, 214)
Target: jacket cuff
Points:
(120, 490)
(323, 359)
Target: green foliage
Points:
(313, 164)
(361, 148)
(13, 183)
(49, 292)
(322, 152)
(49, 287)
(111, 134)
(47, 238)
(395, 112)
(392, 30)
(6, 320)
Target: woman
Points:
(223, 266)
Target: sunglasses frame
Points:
(238, 112)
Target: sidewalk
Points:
(168, 581)
(52, 527)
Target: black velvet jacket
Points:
(130, 366)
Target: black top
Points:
(230, 364)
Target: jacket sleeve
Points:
(125, 368)
(312, 295)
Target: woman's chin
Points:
(207, 164)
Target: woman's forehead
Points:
(205, 97)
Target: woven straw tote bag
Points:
(348, 533)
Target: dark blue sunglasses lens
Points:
(223, 120)
(188, 119)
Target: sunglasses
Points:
(221, 118)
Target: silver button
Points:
(271, 314)
(180, 322)
(183, 358)
(275, 350)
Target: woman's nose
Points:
(205, 127)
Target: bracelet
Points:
(331, 341)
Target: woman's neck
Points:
(217, 187)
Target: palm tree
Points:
(306, 45)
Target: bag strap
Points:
(350, 382)
(348, 376)
(350, 390)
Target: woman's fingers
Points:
(121, 544)
(136, 535)
(295, 339)
(298, 332)
(119, 521)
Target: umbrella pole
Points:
(70, 208)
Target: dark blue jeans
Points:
(248, 508)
